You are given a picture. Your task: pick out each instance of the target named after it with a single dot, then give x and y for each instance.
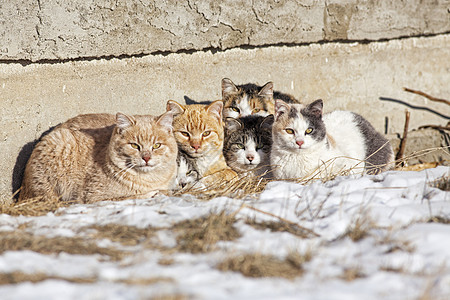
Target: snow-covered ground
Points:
(372, 240)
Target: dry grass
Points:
(145, 281)
(20, 241)
(439, 219)
(359, 228)
(33, 207)
(124, 234)
(170, 297)
(239, 187)
(200, 235)
(279, 226)
(388, 268)
(18, 277)
(261, 265)
(442, 183)
(352, 273)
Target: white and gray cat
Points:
(305, 141)
(247, 144)
(188, 174)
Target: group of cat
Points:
(253, 130)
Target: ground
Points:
(372, 237)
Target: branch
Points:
(401, 151)
(426, 96)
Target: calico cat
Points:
(97, 157)
(250, 99)
(304, 140)
(199, 134)
(247, 145)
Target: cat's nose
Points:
(195, 146)
(146, 157)
(250, 157)
(299, 143)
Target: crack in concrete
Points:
(247, 46)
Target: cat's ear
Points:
(123, 121)
(175, 107)
(232, 124)
(281, 108)
(228, 87)
(267, 90)
(267, 122)
(166, 120)
(315, 108)
(215, 109)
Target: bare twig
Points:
(401, 151)
(426, 96)
(436, 127)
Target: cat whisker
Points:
(121, 174)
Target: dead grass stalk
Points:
(200, 235)
(261, 265)
(20, 241)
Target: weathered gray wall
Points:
(51, 65)
(56, 29)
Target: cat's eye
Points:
(235, 109)
(191, 172)
(256, 110)
(289, 130)
(309, 130)
(135, 146)
(260, 146)
(240, 146)
(206, 133)
(156, 146)
(184, 133)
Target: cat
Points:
(96, 157)
(305, 140)
(250, 99)
(187, 174)
(199, 134)
(247, 145)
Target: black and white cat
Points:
(247, 144)
(250, 99)
(305, 141)
(187, 173)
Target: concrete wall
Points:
(59, 30)
(59, 60)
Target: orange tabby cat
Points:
(199, 132)
(96, 157)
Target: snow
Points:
(401, 257)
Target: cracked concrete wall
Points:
(63, 58)
(61, 30)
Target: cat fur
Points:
(250, 99)
(247, 145)
(90, 158)
(199, 133)
(340, 140)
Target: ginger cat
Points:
(98, 157)
(199, 132)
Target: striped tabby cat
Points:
(247, 144)
(97, 157)
(199, 133)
